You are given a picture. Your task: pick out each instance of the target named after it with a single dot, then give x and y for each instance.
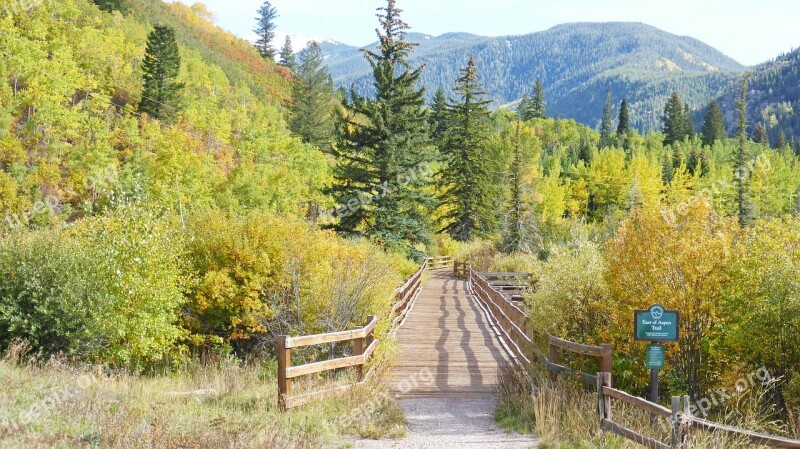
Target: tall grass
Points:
(222, 404)
(564, 414)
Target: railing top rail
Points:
(578, 348)
(754, 437)
(332, 337)
(487, 275)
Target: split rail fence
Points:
(500, 292)
(364, 344)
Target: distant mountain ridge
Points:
(577, 63)
(773, 98)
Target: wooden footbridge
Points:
(456, 327)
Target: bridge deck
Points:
(447, 345)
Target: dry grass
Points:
(563, 414)
(218, 405)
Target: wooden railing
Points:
(436, 263)
(514, 325)
(364, 345)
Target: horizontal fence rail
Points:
(436, 263)
(364, 345)
(509, 313)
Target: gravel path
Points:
(447, 423)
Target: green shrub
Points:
(106, 290)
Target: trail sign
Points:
(656, 324)
(655, 357)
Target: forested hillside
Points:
(577, 63)
(774, 99)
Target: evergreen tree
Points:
(705, 165)
(109, 5)
(667, 169)
(781, 142)
(607, 123)
(693, 162)
(744, 206)
(538, 105)
(515, 231)
(162, 63)
(265, 29)
(467, 185)
(674, 122)
(624, 125)
(438, 117)
(383, 146)
(287, 58)
(760, 135)
(714, 125)
(313, 100)
(690, 129)
(524, 111)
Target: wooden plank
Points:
(327, 365)
(333, 337)
(648, 406)
(610, 426)
(753, 437)
(594, 351)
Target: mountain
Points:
(773, 99)
(577, 63)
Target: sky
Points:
(749, 31)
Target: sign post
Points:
(656, 325)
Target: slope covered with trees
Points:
(577, 64)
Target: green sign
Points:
(655, 357)
(656, 324)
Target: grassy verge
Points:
(563, 414)
(213, 405)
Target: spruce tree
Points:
(690, 129)
(607, 123)
(438, 117)
(384, 147)
(624, 125)
(781, 142)
(538, 105)
(760, 135)
(313, 99)
(674, 122)
(744, 206)
(714, 125)
(287, 58)
(162, 62)
(109, 5)
(667, 169)
(467, 186)
(514, 236)
(524, 108)
(265, 29)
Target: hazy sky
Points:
(750, 31)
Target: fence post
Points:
(284, 363)
(606, 361)
(687, 421)
(604, 402)
(358, 349)
(555, 357)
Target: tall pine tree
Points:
(714, 125)
(690, 130)
(384, 148)
(624, 125)
(468, 198)
(287, 58)
(607, 123)
(524, 111)
(313, 100)
(760, 135)
(161, 94)
(538, 104)
(674, 121)
(742, 174)
(265, 29)
(438, 117)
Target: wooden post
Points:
(607, 360)
(284, 363)
(555, 357)
(358, 349)
(604, 380)
(687, 420)
(676, 422)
